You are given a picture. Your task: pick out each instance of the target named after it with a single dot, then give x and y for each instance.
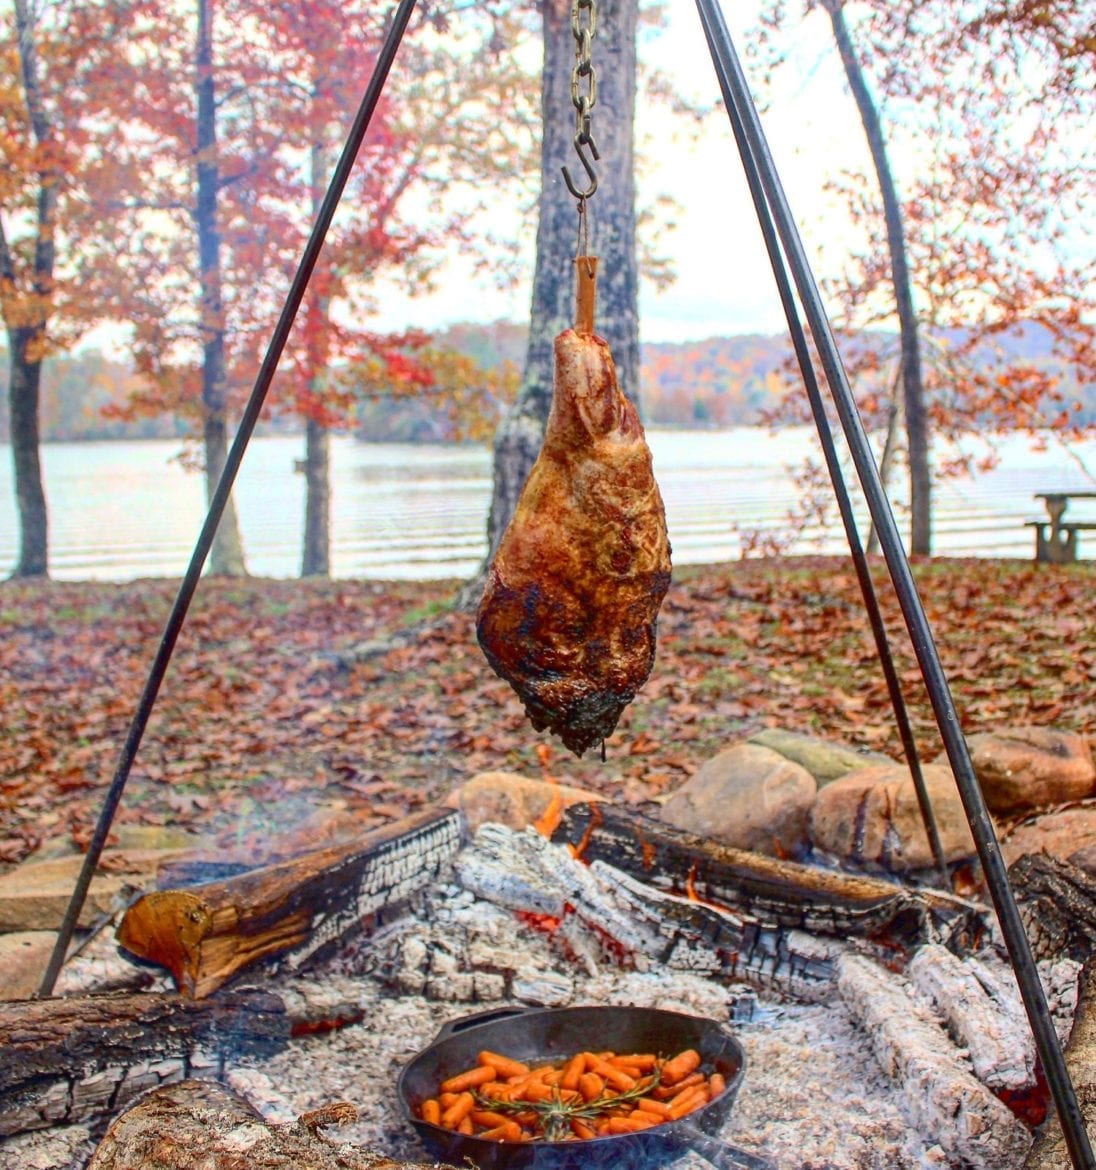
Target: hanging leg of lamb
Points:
(568, 612)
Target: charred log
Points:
(195, 1123)
(206, 934)
(782, 892)
(68, 1060)
(1057, 905)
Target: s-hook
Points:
(583, 33)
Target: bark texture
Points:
(226, 556)
(917, 426)
(612, 239)
(27, 323)
(195, 1125)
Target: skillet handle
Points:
(452, 1027)
(722, 1155)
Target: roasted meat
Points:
(572, 595)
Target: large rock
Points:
(1063, 834)
(872, 816)
(748, 797)
(35, 895)
(507, 798)
(824, 760)
(23, 959)
(1028, 768)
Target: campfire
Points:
(880, 1024)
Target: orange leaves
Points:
(256, 720)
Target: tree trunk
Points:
(316, 554)
(316, 558)
(27, 338)
(612, 237)
(917, 435)
(30, 496)
(227, 555)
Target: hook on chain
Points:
(581, 142)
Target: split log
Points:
(195, 1125)
(941, 1098)
(64, 1061)
(1057, 903)
(786, 893)
(991, 1027)
(1050, 1151)
(204, 935)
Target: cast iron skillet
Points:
(554, 1033)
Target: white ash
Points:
(813, 1095)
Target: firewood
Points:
(942, 1099)
(206, 934)
(991, 1027)
(1057, 904)
(70, 1060)
(195, 1124)
(787, 893)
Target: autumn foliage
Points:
(286, 695)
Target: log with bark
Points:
(69, 1060)
(195, 1125)
(1057, 905)
(207, 934)
(786, 893)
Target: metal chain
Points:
(583, 100)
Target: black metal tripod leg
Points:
(224, 487)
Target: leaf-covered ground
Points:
(257, 724)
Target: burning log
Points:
(195, 1123)
(206, 934)
(785, 893)
(942, 1099)
(597, 913)
(68, 1060)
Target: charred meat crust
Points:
(572, 596)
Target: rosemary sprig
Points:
(556, 1114)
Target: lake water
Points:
(120, 510)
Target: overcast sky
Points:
(724, 283)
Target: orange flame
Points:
(690, 885)
(547, 823)
(595, 819)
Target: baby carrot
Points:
(680, 1067)
(503, 1065)
(717, 1084)
(447, 1099)
(576, 1066)
(469, 1080)
(631, 1124)
(508, 1131)
(486, 1118)
(686, 1102)
(655, 1108)
(466, 1127)
(591, 1086)
(613, 1076)
(665, 1092)
(644, 1061)
(458, 1111)
(582, 1130)
(431, 1111)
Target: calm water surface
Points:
(120, 510)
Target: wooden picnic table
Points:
(1056, 538)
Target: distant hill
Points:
(717, 382)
